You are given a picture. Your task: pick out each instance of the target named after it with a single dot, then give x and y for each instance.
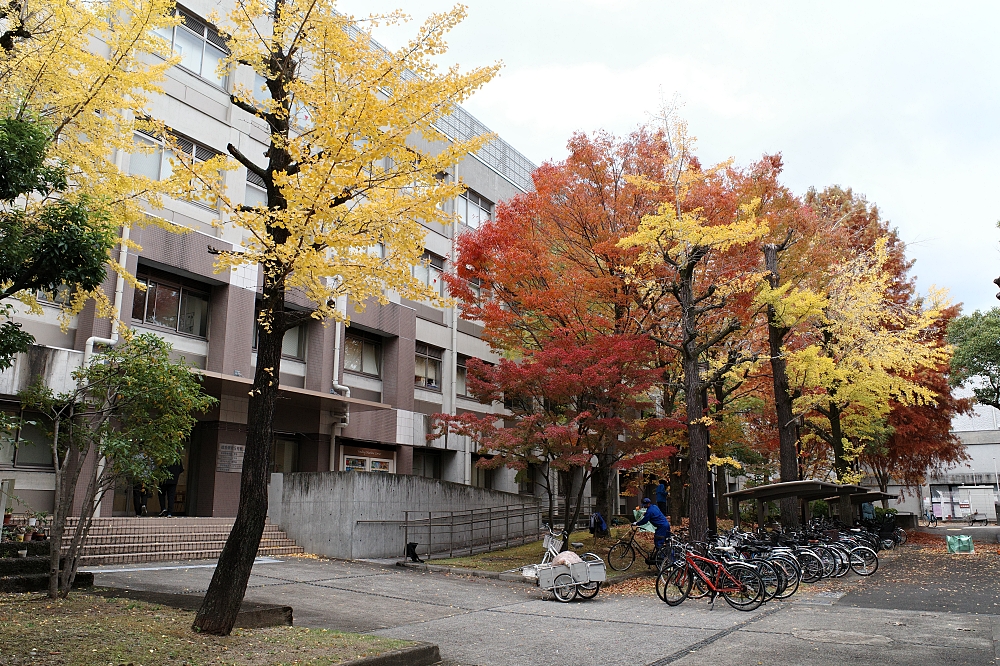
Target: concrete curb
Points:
(421, 654)
(251, 616)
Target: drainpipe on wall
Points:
(467, 461)
(338, 387)
(88, 348)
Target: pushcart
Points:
(568, 581)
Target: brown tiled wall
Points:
(230, 332)
(319, 356)
(187, 251)
(374, 426)
(404, 459)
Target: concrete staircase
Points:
(31, 572)
(133, 540)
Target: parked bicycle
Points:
(929, 519)
(738, 583)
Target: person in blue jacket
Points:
(655, 518)
(661, 496)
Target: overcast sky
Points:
(898, 100)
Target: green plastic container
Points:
(960, 543)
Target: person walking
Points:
(661, 496)
(168, 489)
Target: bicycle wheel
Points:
(792, 576)
(588, 590)
(900, 535)
(811, 564)
(829, 560)
(564, 589)
(843, 560)
(768, 576)
(743, 589)
(621, 556)
(673, 584)
(864, 561)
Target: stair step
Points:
(165, 549)
(126, 540)
(163, 534)
(178, 556)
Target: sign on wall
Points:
(230, 458)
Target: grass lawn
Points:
(87, 630)
(531, 553)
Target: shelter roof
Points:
(807, 489)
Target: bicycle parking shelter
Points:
(806, 491)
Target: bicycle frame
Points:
(720, 570)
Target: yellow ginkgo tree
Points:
(864, 346)
(352, 166)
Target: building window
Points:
(58, 296)
(473, 209)
(29, 445)
(294, 342)
(427, 367)
(427, 464)
(255, 195)
(155, 161)
(526, 479)
(199, 45)
(284, 455)
(171, 306)
(476, 287)
(461, 375)
(481, 478)
(363, 354)
(429, 271)
(293, 345)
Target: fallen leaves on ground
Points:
(85, 630)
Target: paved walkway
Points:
(490, 623)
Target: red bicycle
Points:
(739, 584)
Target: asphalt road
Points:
(489, 623)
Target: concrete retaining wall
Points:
(352, 515)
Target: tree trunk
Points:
(602, 483)
(782, 396)
(229, 582)
(698, 451)
(840, 464)
(678, 479)
(576, 511)
(68, 476)
(721, 488)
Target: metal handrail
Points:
(469, 530)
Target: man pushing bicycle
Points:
(655, 518)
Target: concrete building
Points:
(347, 398)
(946, 490)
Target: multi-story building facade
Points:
(347, 400)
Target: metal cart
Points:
(566, 582)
